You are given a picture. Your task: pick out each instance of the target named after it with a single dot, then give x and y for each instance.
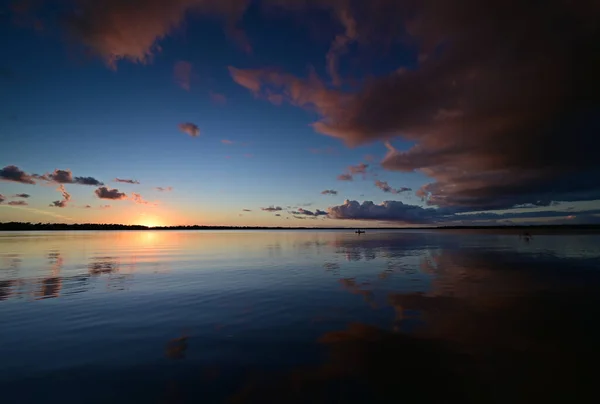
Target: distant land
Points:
(27, 226)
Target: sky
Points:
(300, 113)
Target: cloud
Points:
(2, 198)
(164, 189)
(272, 209)
(21, 196)
(277, 214)
(66, 198)
(225, 141)
(137, 198)
(387, 211)
(340, 45)
(358, 169)
(329, 192)
(384, 186)
(306, 212)
(18, 203)
(15, 174)
(218, 98)
(191, 129)
(498, 114)
(182, 73)
(345, 177)
(105, 193)
(66, 177)
(247, 210)
(87, 206)
(115, 30)
(126, 181)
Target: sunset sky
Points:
(300, 113)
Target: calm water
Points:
(327, 316)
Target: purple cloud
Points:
(385, 187)
(15, 174)
(105, 193)
(190, 128)
(272, 209)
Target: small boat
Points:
(359, 231)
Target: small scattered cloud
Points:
(306, 212)
(21, 196)
(164, 189)
(105, 193)
(329, 192)
(248, 155)
(66, 177)
(358, 169)
(247, 210)
(272, 209)
(15, 174)
(182, 73)
(66, 198)
(345, 177)
(105, 206)
(277, 214)
(87, 207)
(218, 98)
(385, 187)
(190, 128)
(18, 203)
(2, 198)
(227, 141)
(137, 198)
(126, 181)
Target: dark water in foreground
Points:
(177, 317)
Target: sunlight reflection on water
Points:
(277, 316)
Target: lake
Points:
(298, 316)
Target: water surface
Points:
(304, 316)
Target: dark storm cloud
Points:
(126, 181)
(329, 192)
(272, 209)
(190, 128)
(105, 193)
(499, 113)
(15, 174)
(385, 187)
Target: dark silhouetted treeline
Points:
(25, 226)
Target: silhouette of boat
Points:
(359, 231)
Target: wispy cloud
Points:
(247, 210)
(15, 174)
(190, 128)
(126, 181)
(164, 189)
(218, 98)
(272, 209)
(66, 197)
(306, 212)
(358, 169)
(105, 193)
(18, 203)
(227, 141)
(182, 73)
(329, 192)
(345, 177)
(385, 187)
(137, 198)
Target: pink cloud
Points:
(218, 98)
(190, 128)
(18, 203)
(106, 193)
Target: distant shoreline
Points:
(21, 226)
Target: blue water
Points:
(305, 316)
